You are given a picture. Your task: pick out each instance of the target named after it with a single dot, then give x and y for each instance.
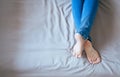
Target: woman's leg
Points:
(77, 6)
(84, 12)
(88, 15)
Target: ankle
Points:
(78, 37)
(87, 43)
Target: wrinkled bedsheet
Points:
(37, 37)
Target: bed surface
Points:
(36, 39)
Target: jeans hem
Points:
(84, 35)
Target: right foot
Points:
(79, 46)
(92, 55)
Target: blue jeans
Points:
(84, 12)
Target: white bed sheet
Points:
(36, 37)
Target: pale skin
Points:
(81, 44)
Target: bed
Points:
(37, 36)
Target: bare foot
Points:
(79, 46)
(92, 55)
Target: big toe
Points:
(97, 60)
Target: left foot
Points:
(92, 55)
(79, 46)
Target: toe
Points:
(97, 60)
(94, 60)
(75, 55)
(90, 60)
(73, 52)
(79, 55)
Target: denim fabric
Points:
(84, 12)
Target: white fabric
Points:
(36, 37)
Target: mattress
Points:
(37, 36)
